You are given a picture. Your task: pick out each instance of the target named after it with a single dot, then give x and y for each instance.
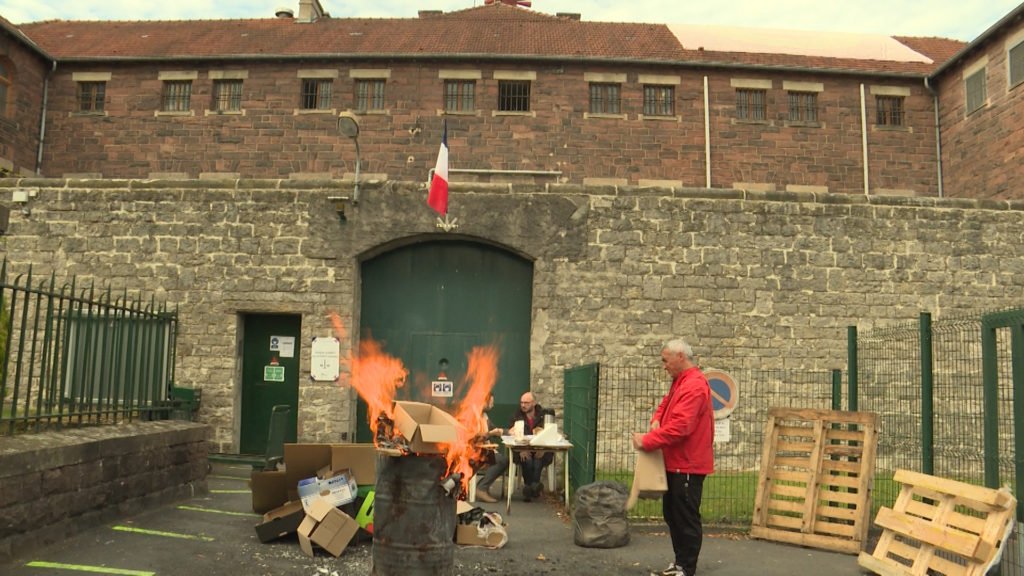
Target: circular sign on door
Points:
(724, 393)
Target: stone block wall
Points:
(56, 484)
(754, 279)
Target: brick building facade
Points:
(660, 109)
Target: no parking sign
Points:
(724, 393)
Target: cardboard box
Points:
(269, 490)
(337, 490)
(492, 534)
(361, 459)
(425, 426)
(280, 521)
(327, 527)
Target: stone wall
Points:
(755, 280)
(56, 484)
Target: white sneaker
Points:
(672, 570)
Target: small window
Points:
(803, 107)
(369, 94)
(227, 95)
(177, 96)
(889, 110)
(316, 93)
(459, 95)
(750, 104)
(1016, 58)
(91, 96)
(514, 95)
(605, 98)
(5, 85)
(659, 100)
(975, 87)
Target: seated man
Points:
(532, 415)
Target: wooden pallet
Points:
(940, 526)
(817, 470)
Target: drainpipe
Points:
(42, 117)
(864, 139)
(938, 133)
(707, 137)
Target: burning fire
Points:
(376, 376)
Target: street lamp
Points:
(349, 126)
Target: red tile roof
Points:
(495, 30)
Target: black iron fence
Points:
(73, 356)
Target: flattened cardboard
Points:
(280, 521)
(302, 461)
(649, 479)
(269, 490)
(360, 458)
(425, 426)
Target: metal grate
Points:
(889, 110)
(369, 94)
(750, 104)
(177, 96)
(974, 86)
(227, 95)
(514, 95)
(803, 106)
(659, 100)
(605, 98)
(459, 95)
(316, 93)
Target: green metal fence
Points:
(622, 399)
(944, 390)
(73, 357)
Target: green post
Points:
(1017, 348)
(990, 401)
(837, 389)
(851, 351)
(927, 396)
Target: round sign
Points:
(724, 393)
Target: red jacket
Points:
(686, 429)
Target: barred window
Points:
(5, 86)
(316, 93)
(459, 95)
(605, 98)
(369, 94)
(514, 95)
(803, 106)
(177, 96)
(1016, 58)
(750, 104)
(659, 100)
(889, 110)
(227, 95)
(975, 87)
(91, 96)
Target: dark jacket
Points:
(528, 426)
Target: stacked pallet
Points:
(816, 476)
(941, 526)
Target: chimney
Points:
(284, 13)
(310, 11)
(429, 13)
(568, 15)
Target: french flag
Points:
(438, 197)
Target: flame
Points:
(481, 374)
(376, 376)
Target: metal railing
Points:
(74, 357)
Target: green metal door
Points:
(270, 375)
(431, 303)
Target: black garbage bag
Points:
(599, 516)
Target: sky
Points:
(959, 19)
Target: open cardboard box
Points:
(269, 490)
(425, 426)
(327, 527)
(280, 522)
(491, 536)
(337, 489)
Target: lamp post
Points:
(349, 126)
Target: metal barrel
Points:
(413, 519)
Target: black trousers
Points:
(681, 508)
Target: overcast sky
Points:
(960, 19)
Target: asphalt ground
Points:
(213, 534)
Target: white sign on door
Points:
(283, 345)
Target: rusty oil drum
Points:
(413, 519)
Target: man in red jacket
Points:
(683, 428)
